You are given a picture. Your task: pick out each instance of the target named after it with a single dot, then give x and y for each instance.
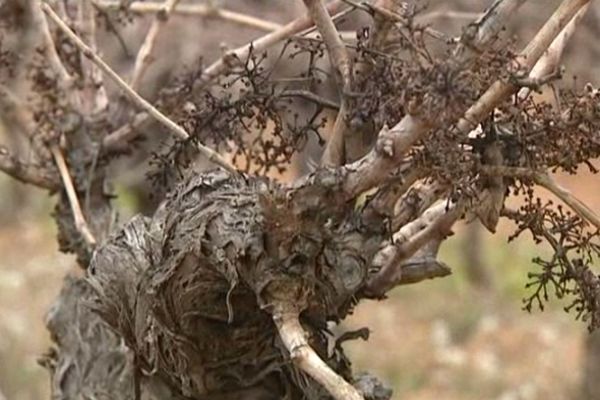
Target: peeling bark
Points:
(192, 291)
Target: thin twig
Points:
(176, 129)
(201, 10)
(543, 179)
(80, 223)
(394, 16)
(232, 57)
(310, 96)
(118, 140)
(294, 339)
(144, 56)
(223, 65)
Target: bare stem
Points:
(338, 55)
(176, 129)
(500, 90)
(80, 223)
(393, 143)
(294, 339)
(118, 139)
(546, 181)
(94, 97)
(65, 79)
(222, 65)
(144, 56)
(433, 224)
(548, 64)
(201, 10)
(487, 26)
(342, 66)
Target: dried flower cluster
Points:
(228, 288)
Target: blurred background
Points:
(461, 337)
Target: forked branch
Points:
(500, 90)
(144, 56)
(222, 65)
(200, 10)
(294, 339)
(142, 103)
(549, 63)
(431, 227)
(393, 143)
(232, 57)
(544, 180)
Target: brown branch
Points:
(294, 339)
(94, 97)
(144, 56)
(389, 14)
(118, 140)
(80, 223)
(532, 82)
(223, 65)
(336, 49)
(483, 31)
(548, 64)
(392, 143)
(310, 96)
(334, 154)
(26, 172)
(194, 10)
(65, 80)
(142, 103)
(546, 181)
(346, 144)
(422, 266)
(433, 224)
(501, 90)
(416, 200)
(385, 199)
